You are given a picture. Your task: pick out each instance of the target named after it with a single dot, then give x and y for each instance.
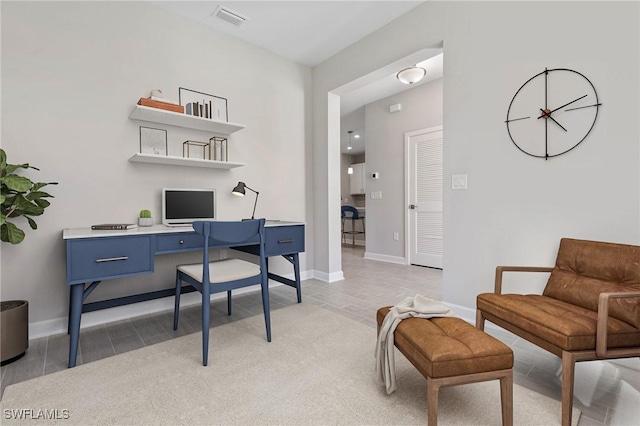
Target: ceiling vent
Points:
(230, 16)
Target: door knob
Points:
(413, 206)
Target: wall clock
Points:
(552, 112)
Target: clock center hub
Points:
(546, 113)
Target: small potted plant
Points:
(145, 218)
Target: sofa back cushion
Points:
(584, 269)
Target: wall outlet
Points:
(396, 236)
(376, 195)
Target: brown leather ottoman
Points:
(450, 351)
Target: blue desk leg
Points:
(296, 271)
(75, 312)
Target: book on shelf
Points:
(161, 105)
(114, 226)
(198, 109)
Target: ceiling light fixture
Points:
(411, 75)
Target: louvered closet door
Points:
(424, 148)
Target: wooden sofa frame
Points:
(569, 358)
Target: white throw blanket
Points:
(419, 307)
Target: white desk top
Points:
(74, 233)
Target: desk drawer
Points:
(284, 239)
(179, 242)
(107, 258)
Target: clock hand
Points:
(568, 103)
(586, 106)
(546, 139)
(516, 119)
(546, 76)
(548, 115)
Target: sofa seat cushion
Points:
(445, 347)
(562, 324)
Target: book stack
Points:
(161, 104)
(199, 109)
(114, 226)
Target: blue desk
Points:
(96, 256)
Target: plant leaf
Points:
(17, 183)
(37, 186)
(42, 203)
(32, 223)
(25, 206)
(10, 233)
(34, 195)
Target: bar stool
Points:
(350, 212)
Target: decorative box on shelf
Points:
(161, 105)
(218, 149)
(196, 149)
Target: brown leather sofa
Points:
(589, 309)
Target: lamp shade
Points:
(239, 189)
(411, 75)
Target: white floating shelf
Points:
(171, 118)
(181, 161)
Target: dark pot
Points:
(14, 330)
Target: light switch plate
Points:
(459, 181)
(376, 195)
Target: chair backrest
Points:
(345, 210)
(237, 232)
(584, 269)
(229, 234)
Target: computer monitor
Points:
(183, 206)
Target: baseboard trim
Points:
(385, 258)
(467, 314)
(328, 277)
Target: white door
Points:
(424, 196)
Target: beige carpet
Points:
(319, 369)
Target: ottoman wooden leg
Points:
(433, 387)
(506, 392)
(506, 395)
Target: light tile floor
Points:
(368, 285)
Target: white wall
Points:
(517, 207)
(421, 109)
(71, 73)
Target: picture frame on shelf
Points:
(203, 105)
(153, 141)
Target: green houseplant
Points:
(19, 196)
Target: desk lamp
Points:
(239, 191)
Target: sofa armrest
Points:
(603, 315)
(501, 269)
